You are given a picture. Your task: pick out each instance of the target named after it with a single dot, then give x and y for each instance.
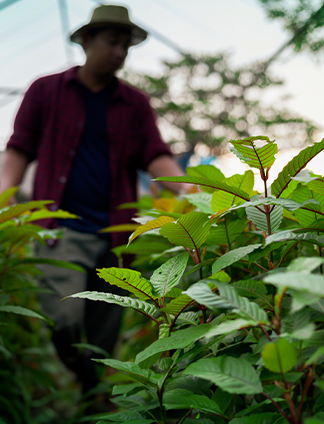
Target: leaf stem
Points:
(266, 333)
(278, 407)
(307, 385)
(186, 416)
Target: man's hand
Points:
(13, 170)
(166, 166)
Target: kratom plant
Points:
(25, 355)
(239, 298)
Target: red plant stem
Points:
(307, 385)
(266, 333)
(292, 408)
(278, 407)
(192, 256)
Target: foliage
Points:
(27, 384)
(239, 309)
(204, 100)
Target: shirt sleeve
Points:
(27, 124)
(154, 145)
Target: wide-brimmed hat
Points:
(110, 15)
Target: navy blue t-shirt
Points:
(87, 190)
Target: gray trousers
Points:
(77, 319)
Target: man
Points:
(90, 133)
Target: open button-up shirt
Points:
(48, 128)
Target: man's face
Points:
(107, 50)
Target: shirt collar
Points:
(120, 91)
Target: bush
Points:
(237, 298)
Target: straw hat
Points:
(110, 15)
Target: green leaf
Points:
(227, 299)
(6, 196)
(316, 355)
(279, 356)
(142, 375)
(216, 185)
(186, 318)
(252, 289)
(126, 302)
(208, 172)
(168, 275)
(14, 211)
(256, 157)
(259, 218)
(127, 388)
(191, 230)
(122, 417)
(44, 213)
(263, 418)
(221, 200)
(177, 340)
(202, 201)
(291, 235)
(310, 213)
(294, 167)
(230, 326)
(232, 375)
(176, 306)
(19, 310)
(201, 403)
(129, 280)
(53, 262)
(150, 225)
(289, 204)
(233, 256)
(308, 283)
(226, 230)
(305, 264)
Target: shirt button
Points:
(53, 207)
(63, 179)
(50, 242)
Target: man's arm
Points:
(166, 166)
(13, 169)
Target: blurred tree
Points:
(203, 101)
(304, 19)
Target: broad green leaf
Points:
(305, 264)
(6, 196)
(256, 157)
(129, 280)
(259, 218)
(122, 417)
(44, 213)
(19, 310)
(191, 230)
(294, 236)
(233, 256)
(201, 403)
(316, 355)
(53, 262)
(294, 167)
(231, 326)
(279, 356)
(126, 302)
(216, 185)
(226, 299)
(168, 275)
(289, 204)
(186, 318)
(226, 230)
(176, 306)
(252, 289)
(232, 375)
(132, 368)
(220, 276)
(209, 172)
(127, 388)
(251, 408)
(316, 185)
(202, 201)
(221, 200)
(121, 228)
(177, 340)
(14, 211)
(263, 418)
(310, 213)
(150, 225)
(309, 283)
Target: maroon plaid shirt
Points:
(48, 128)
